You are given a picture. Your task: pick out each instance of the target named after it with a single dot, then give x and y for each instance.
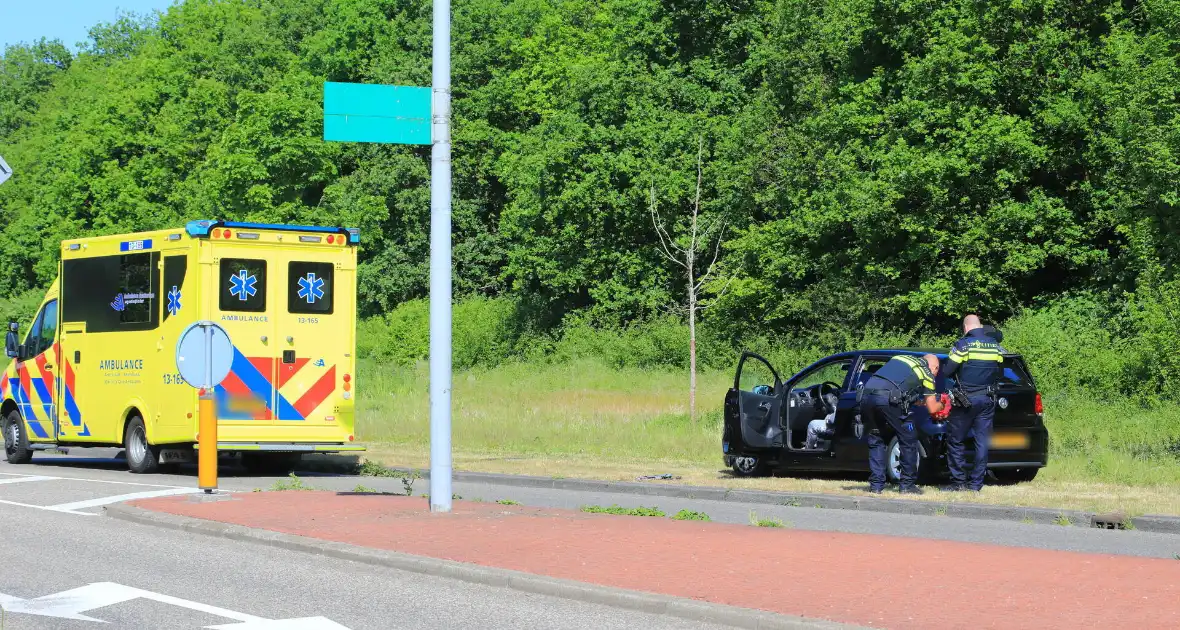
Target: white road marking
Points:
(29, 478)
(118, 498)
(121, 483)
(43, 507)
(72, 603)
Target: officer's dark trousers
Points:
(877, 409)
(979, 417)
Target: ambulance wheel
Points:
(142, 458)
(16, 441)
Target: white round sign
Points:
(204, 354)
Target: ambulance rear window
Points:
(309, 288)
(243, 285)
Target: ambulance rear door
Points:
(246, 299)
(316, 327)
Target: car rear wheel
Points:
(142, 458)
(749, 466)
(16, 441)
(1015, 475)
(893, 463)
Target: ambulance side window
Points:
(112, 293)
(243, 285)
(309, 288)
(137, 297)
(48, 332)
(34, 333)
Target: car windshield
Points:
(835, 372)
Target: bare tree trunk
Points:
(690, 257)
(692, 355)
(685, 257)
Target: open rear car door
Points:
(759, 398)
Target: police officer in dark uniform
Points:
(885, 401)
(976, 360)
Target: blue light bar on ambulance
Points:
(202, 229)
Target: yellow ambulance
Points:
(97, 367)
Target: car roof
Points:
(941, 353)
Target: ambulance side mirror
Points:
(11, 344)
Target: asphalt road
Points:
(101, 464)
(55, 540)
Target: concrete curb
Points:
(651, 603)
(1148, 523)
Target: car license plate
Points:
(1009, 441)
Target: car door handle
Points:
(49, 366)
(764, 406)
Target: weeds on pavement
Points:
(689, 515)
(408, 480)
(360, 488)
(508, 502)
(766, 522)
(293, 482)
(614, 509)
(1062, 520)
(369, 468)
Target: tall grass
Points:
(585, 407)
(580, 407)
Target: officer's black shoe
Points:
(873, 490)
(911, 490)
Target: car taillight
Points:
(1038, 406)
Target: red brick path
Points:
(882, 581)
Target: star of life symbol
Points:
(311, 288)
(174, 301)
(242, 285)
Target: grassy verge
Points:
(586, 420)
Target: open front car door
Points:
(759, 400)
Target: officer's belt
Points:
(978, 390)
(880, 392)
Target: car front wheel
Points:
(749, 466)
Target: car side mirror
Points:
(11, 344)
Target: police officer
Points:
(976, 359)
(885, 402)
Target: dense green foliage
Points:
(878, 165)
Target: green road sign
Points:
(390, 114)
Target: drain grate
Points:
(1109, 521)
